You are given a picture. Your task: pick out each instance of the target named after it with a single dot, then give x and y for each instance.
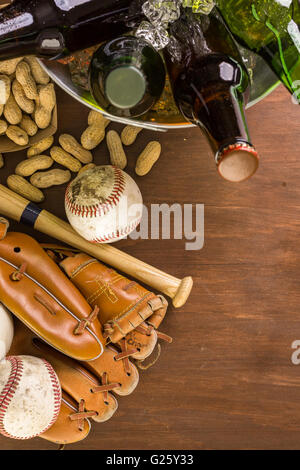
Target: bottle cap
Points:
(237, 162)
(125, 87)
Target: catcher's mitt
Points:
(35, 290)
(85, 394)
(129, 313)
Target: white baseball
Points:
(6, 331)
(104, 204)
(30, 396)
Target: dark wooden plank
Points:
(227, 381)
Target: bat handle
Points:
(183, 292)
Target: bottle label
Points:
(67, 5)
(294, 33)
(19, 22)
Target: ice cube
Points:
(162, 12)
(158, 36)
(199, 6)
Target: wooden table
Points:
(227, 381)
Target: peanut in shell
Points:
(24, 77)
(92, 137)
(28, 125)
(117, 155)
(29, 166)
(70, 145)
(40, 76)
(65, 159)
(17, 135)
(21, 186)
(42, 117)
(40, 147)
(129, 134)
(89, 166)
(47, 179)
(47, 96)
(27, 105)
(8, 67)
(148, 158)
(12, 111)
(98, 119)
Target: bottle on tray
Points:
(126, 76)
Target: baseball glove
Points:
(36, 291)
(97, 318)
(85, 395)
(130, 314)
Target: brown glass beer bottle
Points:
(211, 85)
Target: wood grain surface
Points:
(227, 381)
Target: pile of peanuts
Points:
(95, 134)
(70, 155)
(145, 160)
(76, 157)
(27, 99)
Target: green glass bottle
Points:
(271, 29)
(127, 76)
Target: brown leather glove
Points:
(86, 394)
(91, 370)
(36, 291)
(129, 313)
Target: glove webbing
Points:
(82, 414)
(17, 276)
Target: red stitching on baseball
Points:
(12, 384)
(98, 209)
(57, 393)
(10, 389)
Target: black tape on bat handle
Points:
(30, 214)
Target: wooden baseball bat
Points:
(20, 209)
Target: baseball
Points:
(6, 331)
(104, 204)
(30, 396)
